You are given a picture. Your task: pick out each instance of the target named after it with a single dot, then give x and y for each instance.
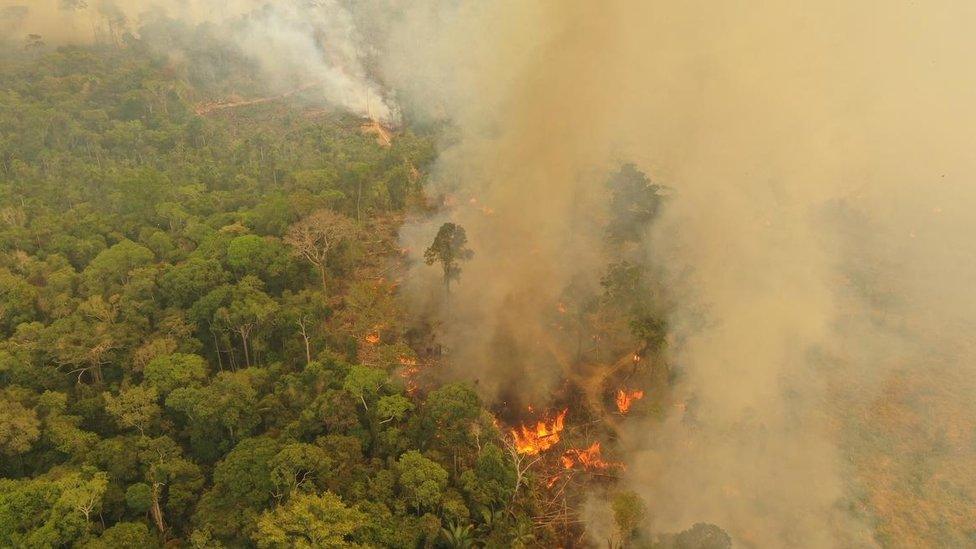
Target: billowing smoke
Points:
(294, 43)
(815, 245)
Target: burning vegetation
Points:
(589, 459)
(544, 435)
(625, 399)
(409, 370)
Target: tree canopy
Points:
(172, 370)
(449, 248)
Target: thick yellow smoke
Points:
(819, 154)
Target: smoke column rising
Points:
(819, 155)
(293, 42)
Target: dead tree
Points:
(317, 236)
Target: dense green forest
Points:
(201, 343)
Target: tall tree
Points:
(422, 481)
(134, 406)
(303, 311)
(248, 309)
(310, 520)
(634, 203)
(629, 512)
(19, 427)
(317, 236)
(449, 249)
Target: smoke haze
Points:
(816, 246)
(294, 43)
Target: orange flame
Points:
(589, 459)
(561, 307)
(473, 201)
(545, 435)
(552, 481)
(625, 399)
(408, 372)
(372, 338)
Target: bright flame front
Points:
(544, 435)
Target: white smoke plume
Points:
(293, 42)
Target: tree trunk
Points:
(156, 510)
(308, 348)
(247, 355)
(359, 198)
(220, 361)
(325, 279)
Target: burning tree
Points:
(522, 461)
(553, 473)
(449, 249)
(527, 443)
(544, 435)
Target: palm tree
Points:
(457, 536)
(489, 518)
(522, 535)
